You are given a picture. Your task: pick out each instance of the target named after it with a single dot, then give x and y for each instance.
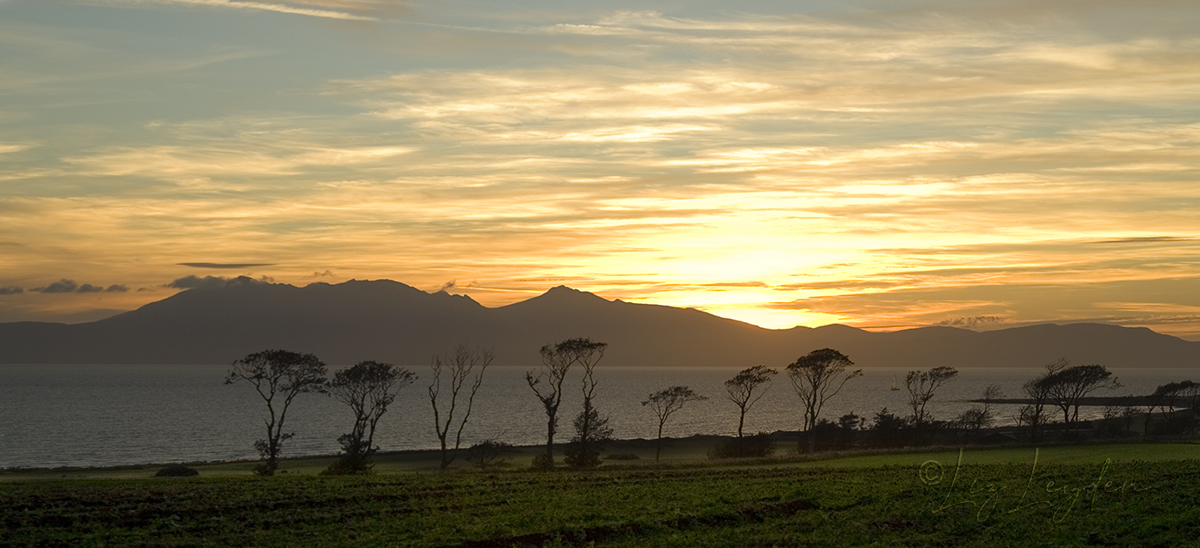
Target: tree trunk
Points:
(658, 443)
(550, 442)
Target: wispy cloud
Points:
(265, 6)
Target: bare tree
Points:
(1037, 392)
(741, 389)
(591, 428)
(977, 418)
(1066, 386)
(664, 403)
(458, 367)
(557, 360)
(921, 387)
(278, 376)
(817, 377)
(368, 388)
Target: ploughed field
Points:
(1070, 496)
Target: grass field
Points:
(1103, 495)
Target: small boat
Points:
(894, 387)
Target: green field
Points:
(1103, 495)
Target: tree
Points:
(557, 360)
(742, 386)
(977, 418)
(1166, 397)
(278, 376)
(591, 428)
(368, 388)
(457, 367)
(817, 378)
(1038, 392)
(1067, 386)
(921, 387)
(591, 432)
(664, 403)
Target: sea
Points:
(113, 415)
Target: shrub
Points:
(354, 459)
(176, 471)
(487, 453)
(750, 447)
(540, 462)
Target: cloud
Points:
(225, 265)
(62, 286)
(69, 286)
(11, 290)
(215, 282)
(264, 6)
(1146, 240)
(974, 322)
(7, 148)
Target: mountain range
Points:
(388, 321)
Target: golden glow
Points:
(778, 168)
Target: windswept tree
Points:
(1067, 386)
(278, 376)
(591, 428)
(368, 388)
(451, 374)
(664, 403)
(921, 387)
(817, 377)
(1176, 394)
(741, 390)
(547, 384)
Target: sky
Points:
(881, 164)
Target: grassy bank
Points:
(1144, 495)
(691, 451)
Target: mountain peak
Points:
(562, 292)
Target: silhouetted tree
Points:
(457, 368)
(591, 428)
(368, 388)
(557, 360)
(977, 418)
(1168, 398)
(664, 403)
(887, 430)
(278, 376)
(742, 386)
(921, 387)
(817, 378)
(591, 433)
(1037, 391)
(1066, 386)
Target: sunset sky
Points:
(883, 164)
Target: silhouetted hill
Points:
(389, 321)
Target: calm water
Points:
(76, 415)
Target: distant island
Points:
(387, 320)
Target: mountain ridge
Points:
(389, 321)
